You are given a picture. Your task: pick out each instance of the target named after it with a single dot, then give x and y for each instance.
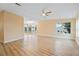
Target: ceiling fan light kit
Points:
(46, 12)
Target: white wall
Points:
(77, 30)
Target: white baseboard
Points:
(13, 39)
(57, 36)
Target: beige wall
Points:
(48, 28)
(13, 27)
(1, 27)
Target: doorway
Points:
(30, 27)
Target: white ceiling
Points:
(32, 11)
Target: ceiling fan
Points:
(18, 4)
(46, 12)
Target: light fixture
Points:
(30, 22)
(46, 12)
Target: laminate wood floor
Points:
(33, 45)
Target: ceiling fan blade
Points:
(18, 4)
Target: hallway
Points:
(34, 45)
